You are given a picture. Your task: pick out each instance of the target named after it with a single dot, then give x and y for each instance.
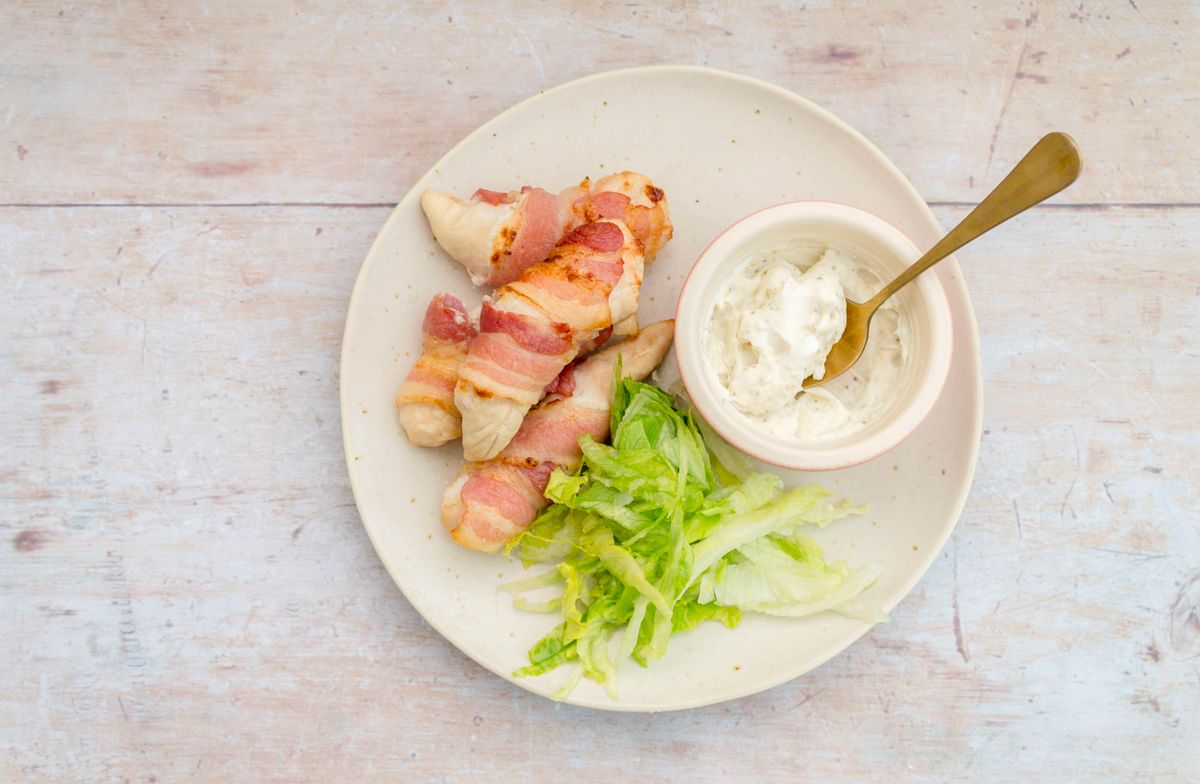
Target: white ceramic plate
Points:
(721, 146)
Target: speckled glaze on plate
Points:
(721, 145)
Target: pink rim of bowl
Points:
(878, 245)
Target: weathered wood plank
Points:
(188, 594)
(276, 102)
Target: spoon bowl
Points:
(884, 251)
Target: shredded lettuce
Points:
(664, 529)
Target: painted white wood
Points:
(157, 101)
(185, 588)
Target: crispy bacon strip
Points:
(498, 235)
(564, 382)
(628, 196)
(533, 327)
(425, 402)
(494, 500)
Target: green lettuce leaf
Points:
(663, 529)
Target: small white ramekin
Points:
(878, 245)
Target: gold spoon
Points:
(1050, 166)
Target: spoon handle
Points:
(1051, 165)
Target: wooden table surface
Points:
(186, 593)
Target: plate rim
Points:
(969, 325)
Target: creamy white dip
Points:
(772, 326)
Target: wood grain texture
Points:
(185, 588)
(307, 102)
